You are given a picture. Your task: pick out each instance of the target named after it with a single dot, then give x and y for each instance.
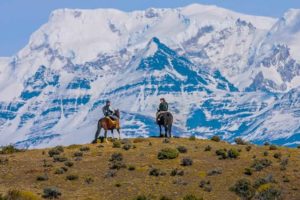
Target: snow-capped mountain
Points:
(222, 72)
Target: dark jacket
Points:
(107, 111)
(163, 106)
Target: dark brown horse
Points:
(108, 124)
(165, 119)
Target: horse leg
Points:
(105, 135)
(160, 134)
(166, 130)
(112, 133)
(97, 133)
(170, 130)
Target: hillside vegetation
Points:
(152, 168)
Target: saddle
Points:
(115, 123)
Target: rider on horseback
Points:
(163, 107)
(108, 111)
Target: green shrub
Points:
(116, 144)
(240, 141)
(262, 181)
(42, 177)
(51, 193)
(69, 164)
(273, 147)
(182, 149)
(215, 138)
(84, 148)
(233, 153)
(243, 189)
(222, 153)
(72, 177)
(167, 153)
(186, 161)
(266, 153)
(207, 148)
(166, 141)
(111, 173)
(259, 165)
(59, 171)
(57, 158)
(9, 149)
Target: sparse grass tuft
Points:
(259, 165)
(191, 197)
(273, 147)
(42, 177)
(72, 177)
(208, 148)
(244, 189)
(186, 162)
(240, 141)
(19, 195)
(116, 144)
(84, 148)
(192, 138)
(9, 149)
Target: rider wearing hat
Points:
(163, 107)
(108, 111)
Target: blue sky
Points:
(19, 18)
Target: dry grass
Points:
(22, 169)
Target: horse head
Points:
(117, 113)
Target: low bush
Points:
(259, 165)
(56, 151)
(207, 148)
(215, 138)
(116, 144)
(266, 153)
(9, 149)
(42, 177)
(205, 185)
(248, 148)
(167, 153)
(78, 154)
(88, 180)
(243, 189)
(233, 153)
(215, 171)
(177, 172)
(69, 164)
(240, 141)
(58, 158)
(268, 192)
(111, 173)
(277, 155)
(131, 167)
(283, 164)
(51, 193)
(222, 153)
(84, 148)
(186, 162)
(166, 141)
(59, 171)
(156, 172)
(182, 149)
(248, 171)
(273, 147)
(117, 165)
(127, 146)
(116, 157)
(72, 177)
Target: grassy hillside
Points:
(138, 169)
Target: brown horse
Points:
(165, 119)
(108, 124)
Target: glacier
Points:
(223, 73)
